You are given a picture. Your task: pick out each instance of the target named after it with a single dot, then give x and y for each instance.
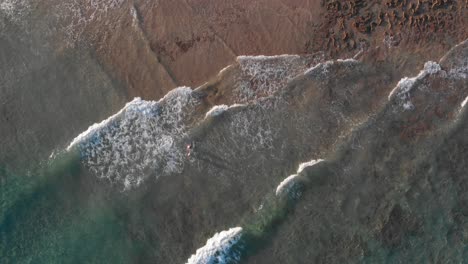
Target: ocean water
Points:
(56, 215)
(262, 176)
(280, 159)
(81, 203)
(53, 216)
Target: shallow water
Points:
(389, 188)
(127, 191)
(53, 216)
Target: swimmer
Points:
(189, 149)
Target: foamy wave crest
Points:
(464, 103)
(140, 140)
(220, 109)
(219, 249)
(321, 70)
(311, 163)
(289, 184)
(405, 85)
(217, 110)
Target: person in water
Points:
(189, 149)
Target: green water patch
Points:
(260, 229)
(56, 215)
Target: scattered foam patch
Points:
(264, 75)
(251, 134)
(140, 140)
(15, 10)
(405, 85)
(460, 72)
(390, 41)
(219, 249)
(78, 15)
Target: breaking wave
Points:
(140, 140)
(147, 138)
(219, 249)
(289, 184)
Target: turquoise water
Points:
(58, 215)
(52, 216)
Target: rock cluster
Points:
(354, 24)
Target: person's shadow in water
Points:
(205, 155)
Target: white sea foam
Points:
(405, 85)
(219, 109)
(140, 140)
(224, 69)
(134, 14)
(431, 67)
(218, 249)
(251, 134)
(464, 102)
(322, 69)
(264, 75)
(78, 15)
(288, 183)
(8, 6)
(15, 9)
(460, 72)
(349, 60)
(85, 135)
(311, 163)
(259, 58)
(390, 41)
